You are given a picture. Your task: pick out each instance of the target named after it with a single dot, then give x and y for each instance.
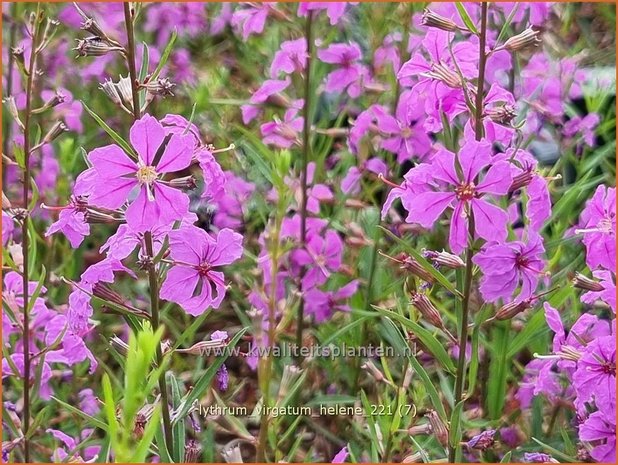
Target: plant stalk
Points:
(463, 335)
(153, 280)
(306, 155)
(25, 243)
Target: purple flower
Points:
(446, 188)
(507, 266)
(585, 127)
(114, 175)
(403, 136)
(351, 184)
(71, 222)
(290, 58)
(334, 10)
(283, 134)
(350, 72)
(322, 304)
(232, 205)
(268, 88)
(251, 18)
(88, 402)
(600, 430)
(595, 376)
(71, 445)
(597, 223)
(162, 18)
(192, 281)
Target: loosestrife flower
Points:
(114, 175)
(595, 376)
(506, 266)
(444, 187)
(192, 281)
(350, 73)
(334, 10)
(600, 429)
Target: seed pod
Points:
(528, 38)
(95, 46)
(419, 429)
(438, 427)
(414, 267)
(581, 281)
(508, 311)
(445, 259)
(431, 19)
(428, 311)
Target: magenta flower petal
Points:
(111, 162)
(146, 136)
(489, 221)
(498, 179)
(428, 206)
(177, 155)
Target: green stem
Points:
(153, 279)
(463, 334)
(303, 176)
(25, 238)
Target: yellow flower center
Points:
(146, 175)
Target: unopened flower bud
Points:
(193, 451)
(187, 182)
(508, 311)
(482, 441)
(119, 345)
(414, 267)
(93, 216)
(502, 114)
(104, 292)
(438, 427)
(95, 47)
(583, 282)
(375, 373)
(431, 19)
(528, 38)
(419, 429)
(92, 26)
(445, 259)
(522, 179)
(429, 312)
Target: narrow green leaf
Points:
(420, 371)
(178, 447)
(465, 17)
(166, 54)
(113, 134)
(89, 419)
(455, 430)
(427, 338)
